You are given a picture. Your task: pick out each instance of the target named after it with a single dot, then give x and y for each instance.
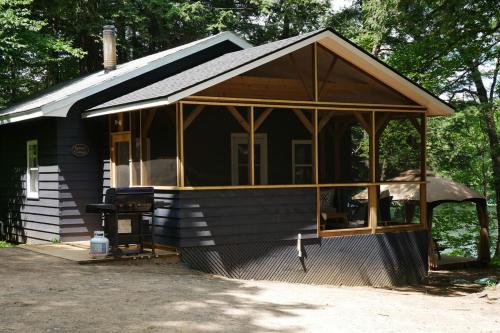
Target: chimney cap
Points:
(109, 27)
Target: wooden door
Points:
(121, 160)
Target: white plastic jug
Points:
(99, 245)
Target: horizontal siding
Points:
(29, 220)
(80, 179)
(215, 217)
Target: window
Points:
(302, 161)
(32, 169)
(239, 158)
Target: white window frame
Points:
(29, 167)
(242, 138)
(294, 165)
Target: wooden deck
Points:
(79, 252)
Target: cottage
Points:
(261, 153)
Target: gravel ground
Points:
(39, 293)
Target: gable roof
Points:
(198, 78)
(57, 100)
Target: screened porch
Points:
(309, 119)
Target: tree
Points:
(26, 52)
(454, 53)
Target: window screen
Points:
(32, 169)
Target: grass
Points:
(4, 244)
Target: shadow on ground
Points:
(451, 283)
(56, 295)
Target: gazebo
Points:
(439, 191)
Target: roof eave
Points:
(60, 107)
(329, 39)
(21, 116)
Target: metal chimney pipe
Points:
(109, 47)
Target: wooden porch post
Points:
(372, 190)
(423, 171)
(180, 144)
(251, 150)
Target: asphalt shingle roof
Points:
(204, 72)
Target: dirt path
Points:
(39, 293)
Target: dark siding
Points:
(29, 220)
(377, 260)
(80, 178)
(216, 217)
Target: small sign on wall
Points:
(80, 150)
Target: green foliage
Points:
(458, 149)
(4, 244)
(495, 262)
(26, 51)
(456, 227)
(399, 149)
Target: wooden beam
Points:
(181, 145)
(239, 118)
(251, 150)
(141, 162)
(315, 148)
(423, 173)
(325, 119)
(177, 148)
(193, 115)
(301, 77)
(372, 208)
(306, 106)
(149, 120)
(328, 72)
(363, 121)
(315, 71)
(382, 122)
(373, 145)
(299, 102)
(303, 119)
(262, 117)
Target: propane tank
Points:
(99, 245)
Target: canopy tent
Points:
(439, 191)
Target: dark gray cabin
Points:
(268, 158)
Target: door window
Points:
(239, 152)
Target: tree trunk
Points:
(488, 110)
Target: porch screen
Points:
(159, 155)
(216, 145)
(289, 153)
(343, 208)
(399, 144)
(343, 146)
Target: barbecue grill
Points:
(124, 211)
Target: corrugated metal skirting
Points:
(376, 260)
